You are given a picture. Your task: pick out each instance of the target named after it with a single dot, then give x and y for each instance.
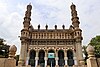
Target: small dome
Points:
(13, 48)
(90, 48)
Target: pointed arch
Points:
(51, 58)
(41, 56)
(61, 61)
(32, 56)
(70, 57)
(70, 54)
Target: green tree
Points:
(96, 43)
(4, 49)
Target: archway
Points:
(41, 60)
(32, 58)
(51, 58)
(61, 61)
(70, 58)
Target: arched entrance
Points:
(32, 58)
(61, 61)
(70, 58)
(41, 60)
(51, 58)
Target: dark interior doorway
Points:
(70, 58)
(61, 61)
(32, 58)
(41, 60)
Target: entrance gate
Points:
(51, 58)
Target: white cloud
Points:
(49, 12)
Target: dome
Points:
(90, 48)
(13, 48)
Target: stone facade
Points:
(51, 47)
(65, 45)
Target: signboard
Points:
(51, 55)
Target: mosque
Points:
(51, 47)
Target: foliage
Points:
(4, 49)
(96, 43)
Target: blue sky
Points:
(49, 12)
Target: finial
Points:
(63, 26)
(90, 51)
(30, 3)
(46, 26)
(29, 7)
(39, 27)
(55, 26)
(90, 48)
(72, 3)
(12, 51)
(73, 7)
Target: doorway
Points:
(70, 58)
(51, 58)
(41, 60)
(32, 58)
(61, 61)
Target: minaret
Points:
(75, 19)
(27, 18)
(77, 34)
(25, 36)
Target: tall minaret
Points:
(27, 18)
(77, 35)
(25, 36)
(75, 19)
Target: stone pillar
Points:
(36, 59)
(79, 53)
(65, 58)
(56, 57)
(46, 58)
(11, 62)
(56, 60)
(75, 59)
(22, 58)
(27, 59)
(91, 61)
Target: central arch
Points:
(41, 60)
(61, 61)
(51, 58)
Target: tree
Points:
(4, 49)
(96, 43)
